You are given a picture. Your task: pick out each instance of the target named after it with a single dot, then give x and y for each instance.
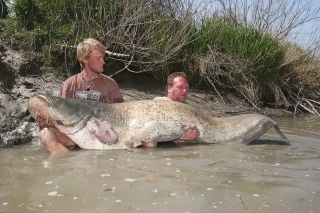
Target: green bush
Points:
(245, 44)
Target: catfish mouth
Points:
(36, 107)
(59, 113)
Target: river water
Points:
(268, 176)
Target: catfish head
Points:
(67, 116)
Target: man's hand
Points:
(43, 122)
(191, 134)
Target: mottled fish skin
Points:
(150, 121)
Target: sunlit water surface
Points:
(268, 176)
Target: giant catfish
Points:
(95, 125)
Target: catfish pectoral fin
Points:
(104, 132)
(107, 138)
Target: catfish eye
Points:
(59, 122)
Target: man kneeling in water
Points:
(177, 90)
(90, 84)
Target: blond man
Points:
(89, 84)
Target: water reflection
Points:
(270, 175)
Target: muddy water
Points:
(268, 176)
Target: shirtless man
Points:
(89, 84)
(177, 90)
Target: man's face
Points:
(179, 90)
(95, 62)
